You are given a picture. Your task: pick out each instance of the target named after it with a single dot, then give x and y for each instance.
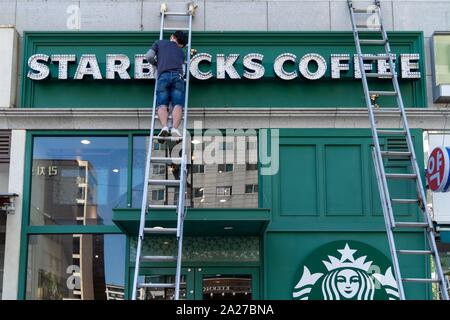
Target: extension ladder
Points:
(180, 183)
(409, 155)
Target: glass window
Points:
(160, 293)
(212, 156)
(227, 287)
(198, 192)
(251, 188)
(198, 168)
(75, 267)
(225, 167)
(78, 180)
(158, 195)
(223, 191)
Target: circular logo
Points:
(438, 170)
(346, 270)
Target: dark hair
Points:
(181, 37)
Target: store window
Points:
(76, 267)
(78, 180)
(216, 160)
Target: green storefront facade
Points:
(306, 225)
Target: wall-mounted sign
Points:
(311, 66)
(438, 169)
(230, 70)
(346, 270)
(440, 61)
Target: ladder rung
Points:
(157, 230)
(165, 160)
(401, 175)
(415, 252)
(372, 42)
(386, 110)
(156, 285)
(359, 10)
(411, 225)
(376, 75)
(167, 138)
(395, 154)
(401, 132)
(420, 280)
(173, 13)
(365, 26)
(176, 29)
(383, 93)
(405, 200)
(158, 258)
(375, 57)
(164, 182)
(162, 206)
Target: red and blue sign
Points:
(438, 169)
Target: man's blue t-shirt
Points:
(170, 57)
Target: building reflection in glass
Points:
(74, 267)
(78, 183)
(223, 172)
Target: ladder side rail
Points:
(390, 235)
(144, 207)
(371, 114)
(419, 185)
(183, 175)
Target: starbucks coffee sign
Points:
(346, 270)
(286, 66)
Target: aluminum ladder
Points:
(378, 155)
(181, 183)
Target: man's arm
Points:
(150, 56)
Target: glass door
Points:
(230, 283)
(165, 275)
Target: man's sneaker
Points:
(175, 133)
(163, 133)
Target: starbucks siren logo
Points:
(346, 277)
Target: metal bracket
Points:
(7, 202)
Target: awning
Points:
(199, 221)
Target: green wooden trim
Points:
(61, 229)
(127, 279)
(130, 171)
(25, 217)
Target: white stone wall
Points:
(231, 15)
(8, 66)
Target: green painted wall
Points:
(325, 191)
(265, 92)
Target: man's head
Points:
(180, 38)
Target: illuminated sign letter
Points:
(278, 66)
(225, 66)
(252, 62)
(42, 69)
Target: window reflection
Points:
(227, 287)
(78, 180)
(76, 267)
(222, 174)
(160, 293)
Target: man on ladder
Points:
(170, 87)
(168, 57)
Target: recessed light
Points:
(195, 141)
(228, 228)
(115, 170)
(85, 141)
(96, 256)
(223, 200)
(166, 242)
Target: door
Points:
(198, 283)
(165, 275)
